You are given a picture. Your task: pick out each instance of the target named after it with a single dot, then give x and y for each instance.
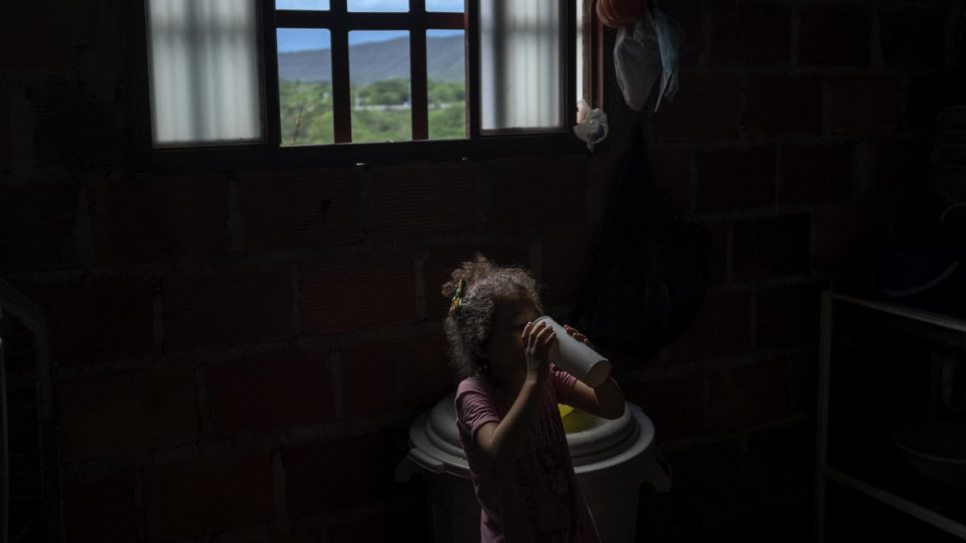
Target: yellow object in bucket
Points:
(574, 420)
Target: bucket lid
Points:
(597, 439)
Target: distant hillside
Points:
(374, 61)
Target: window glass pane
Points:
(445, 5)
(305, 86)
(204, 78)
(446, 85)
(521, 49)
(379, 81)
(378, 5)
(307, 5)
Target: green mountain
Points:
(377, 60)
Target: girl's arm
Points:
(607, 400)
(504, 441)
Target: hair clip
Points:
(458, 297)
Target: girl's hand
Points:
(537, 341)
(578, 336)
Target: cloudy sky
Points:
(292, 39)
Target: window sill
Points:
(262, 156)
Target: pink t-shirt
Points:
(539, 499)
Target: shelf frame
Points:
(823, 472)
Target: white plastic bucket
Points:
(612, 459)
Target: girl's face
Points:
(504, 350)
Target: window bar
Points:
(418, 99)
(268, 64)
(570, 55)
(341, 92)
(472, 14)
(142, 129)
(596, 69)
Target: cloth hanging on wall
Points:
(649, 274)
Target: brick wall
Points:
(239, 355)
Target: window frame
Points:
(270, 154)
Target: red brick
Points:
(207, 495)
(81, 132)
(863, 103)
(672, 171)
(349, 295)
(674, 405)
(383, 377)
(109, 416)
(781, 462)
(736, 179)
(537, 193)
(720, 250)
(770, 247)
(834, 36)
(36, 227)
(913, 36)
(279, 534)
(270, 391)
(102, 510)
(751, 34)
(412, 522)
(899, 166)
(70, 127)
(149, 219)
(6, 128)
(421, 199)
(48, 28)
(804, 375)
(339, 474)
(748, 394)
(776, 105)
(708, 475)
(564, 269)
(721, 327)
(439, 265)
(303, 208)
(690, 15)
(706, 107)
(104, 320)
(849, 238)
(812, 174)
(926, 96)
(230, 307)
(788, 316)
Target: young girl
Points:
(507, 415)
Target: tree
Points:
(388, 92)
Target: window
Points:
(297, 78)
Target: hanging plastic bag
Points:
(637, 61)
(669, 38)
(649, 273)
(591, 124)
(644, 52)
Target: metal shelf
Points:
(866, 485)
(897, 502)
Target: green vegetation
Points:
(380, 112)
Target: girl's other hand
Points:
(578, 336)
(537, 340)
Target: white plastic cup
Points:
(575, 357)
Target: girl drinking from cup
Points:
(507, 414)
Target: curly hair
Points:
(468, 327)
